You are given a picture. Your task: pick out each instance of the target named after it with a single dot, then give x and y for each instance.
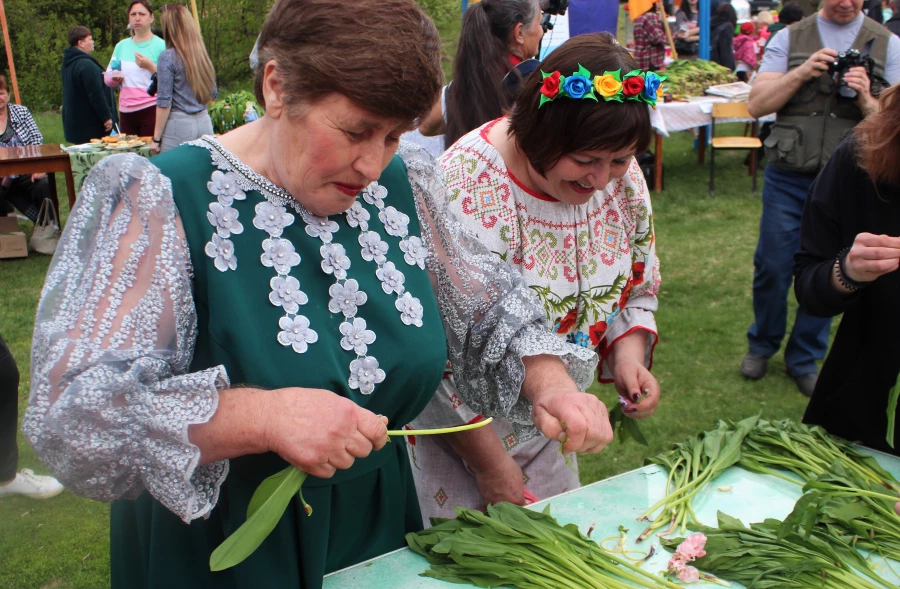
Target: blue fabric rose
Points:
(651, 85)
(577, 86)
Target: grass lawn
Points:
(706, 247)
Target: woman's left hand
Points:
(38, 177)
(637, 388)
(580, 420)
(145, 62)
(155, 147)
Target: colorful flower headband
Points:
(612, 86)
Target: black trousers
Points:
(24, 195)
(9, 413)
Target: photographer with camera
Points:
(819, 96)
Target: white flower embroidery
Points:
(365, 374)
(411, 310)
(225, 187)
(414, 251)
(296, 333)
(374, 194)
(357, 216)
(222, 251)
(391, 278)
(280, 254)
(394, 221)
(346, 297)
(334, 259)
(320, 227)
(272, 218)
(224, 219)
(286, 293)
(373, 247)
(356, 336)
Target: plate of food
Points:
(121, 145)
(82, 148)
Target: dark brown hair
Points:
(77, 34)
(878, 140)
(319, 48)
(145, 3)
(565, 125)
(3, 85)
(476, 95)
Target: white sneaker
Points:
(31, 485)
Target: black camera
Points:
(552, 8)
(839, 67)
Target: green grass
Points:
(706, 247)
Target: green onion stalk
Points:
(771, 555)
(513, 546)
(692, 464)
(272, 497)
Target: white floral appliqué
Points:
(279, 254)
(225, 187)
(373, 247)
(346, 297)
(395, 222)
(295, 332)
(411, 310)
(356, 337)
(221, 250)
(224, 219)
(414, 251)
(286, 293)
(391, 278)
(335, 260)
(365, 374)
(272, 218)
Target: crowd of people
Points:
(285, 293)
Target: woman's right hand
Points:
(319, 431)
(872, 256)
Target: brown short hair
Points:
(3, 85)
(77, 34)
(878, 140)
(145, 3)
(567, 126)
(384, 55)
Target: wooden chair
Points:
(731, 110)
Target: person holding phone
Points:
(131, 68)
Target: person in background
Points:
(132, 66)
(687, 31)
(186, 82)
(24, 482)
(790, 13)
(893, 23)
(567, 166)
(17, 128)
(649, 41)
(746, 52)
(721, 27)
(793, 82)
(496, 36)
(874, 11)
(89, 108)
(764, 20)
(848, 264)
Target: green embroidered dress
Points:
(176, 278)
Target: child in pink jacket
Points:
(745, 52)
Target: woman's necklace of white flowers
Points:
(346, 296)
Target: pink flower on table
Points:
(692, 547)
(689, 574)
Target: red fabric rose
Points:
(566, 323)
(551, 85)
(597, 330)
(633, 86)
(637, 272)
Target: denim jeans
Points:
(784, 194)
(9, 413)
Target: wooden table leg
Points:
(54, 197)
(657, 163)
(70, 187)
(701, 145)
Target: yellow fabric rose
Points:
(606, 85)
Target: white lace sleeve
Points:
(111, 396)
(491, 318)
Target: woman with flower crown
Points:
(555, 190)
(279, 295)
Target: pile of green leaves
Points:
(807, 451)
(769, 555)
(228, 112)
(692, 464)
(517, 547)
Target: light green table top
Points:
(609, 504)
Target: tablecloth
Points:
(697, 112)
(82, 162)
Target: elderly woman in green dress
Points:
(279, 296)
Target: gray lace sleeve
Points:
(491, 318)
(111, 395)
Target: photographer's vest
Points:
(815, 120)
